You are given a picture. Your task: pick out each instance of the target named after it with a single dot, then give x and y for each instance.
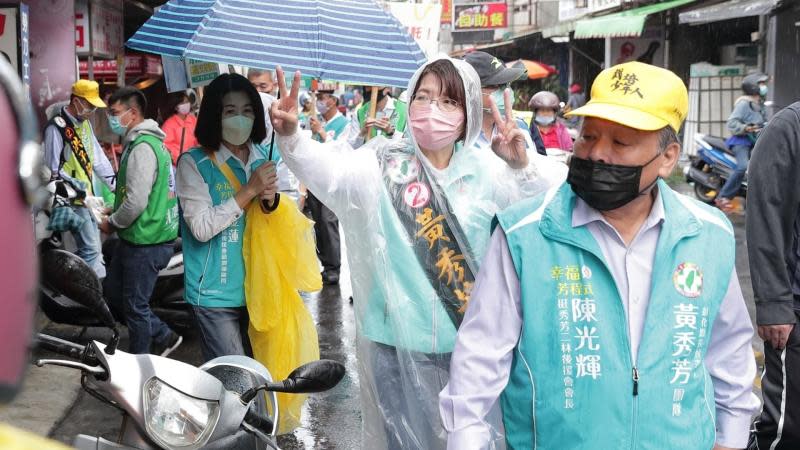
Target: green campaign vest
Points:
(398, 119)
(337, 125)
(158, 223)
(572, 383)
(214, 270)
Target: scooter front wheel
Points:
(705, 193)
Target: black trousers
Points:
(326, 227)
(778, 426)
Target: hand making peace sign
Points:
(283, 112)
(509, 142)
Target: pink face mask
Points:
(435, 129)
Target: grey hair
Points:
(666, 137)
(258, 73)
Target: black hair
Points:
(451, 83)
(209, 120)
(173, 100)
(130, 96)
(333, 96)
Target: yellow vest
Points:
(72, 167)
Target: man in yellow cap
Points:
(73, 154)
(607, 313)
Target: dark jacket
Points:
(773, 213)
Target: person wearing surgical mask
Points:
(496, 79)
(145, 218)
(73, 155)
(230, 130)
(608, 312)
(546, 106)
(179, 126)
(416, 213)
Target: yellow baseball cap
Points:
(89, 90)
(639, 96)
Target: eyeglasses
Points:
(446, 104)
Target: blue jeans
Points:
(128, 287)
(223, 331)
(731, 187)
(88, 242)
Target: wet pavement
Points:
(330, 420)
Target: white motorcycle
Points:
(168, 404)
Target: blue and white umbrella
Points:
(343, 40)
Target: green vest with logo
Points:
(573, 381)
(158, 223)
(398, 118)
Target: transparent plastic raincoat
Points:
(382, 193)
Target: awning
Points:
(628, 23)
(727, 10)
(562, 29)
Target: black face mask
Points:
(606, 186)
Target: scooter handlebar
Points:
(256, 420)
(60, 346)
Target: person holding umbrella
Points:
(417, 215)
(389, 119)
(229, 128)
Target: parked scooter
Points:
(167, 404)
(167, 299)
(711, 167)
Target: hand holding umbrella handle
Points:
(373, 106)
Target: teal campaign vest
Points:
(573, 384)
(214, 270)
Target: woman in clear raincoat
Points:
(417, 218)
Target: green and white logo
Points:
(688, 280)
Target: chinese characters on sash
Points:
(579, 338)
(688, 339)
(449, 262)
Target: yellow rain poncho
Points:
(280, 260)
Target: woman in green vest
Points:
(229, 126)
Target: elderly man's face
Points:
(611, 143)
(263, 83)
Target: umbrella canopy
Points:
(535, 69)
(353, 41)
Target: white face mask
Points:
(184, 108)
(322, 107)
(236, 130)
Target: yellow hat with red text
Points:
(639, 96)
(88, 90)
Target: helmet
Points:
(750, 83)
(545, 100)
(304, 98)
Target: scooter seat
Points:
(718, 142)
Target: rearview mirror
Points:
(316, 376)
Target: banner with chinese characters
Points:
(98, 28)
(447, 12)
(480, 16)
(422, 20)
